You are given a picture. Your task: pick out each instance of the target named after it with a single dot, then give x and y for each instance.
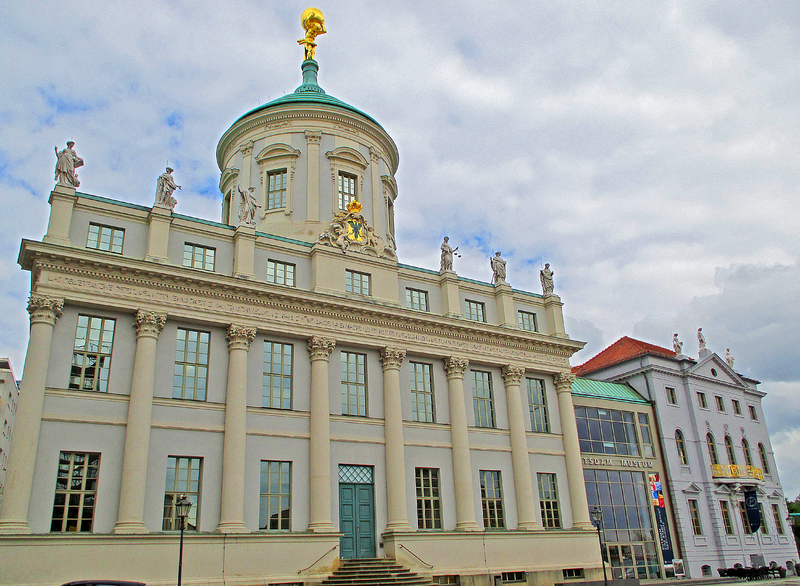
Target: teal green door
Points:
(357, 520)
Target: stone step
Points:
(374, 572)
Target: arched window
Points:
(729, 450)
(764, 462)
(712, 449)
(681, 444)
(748, 457)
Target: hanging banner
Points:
(753, 512)
(661, 517)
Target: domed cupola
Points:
(304, 157)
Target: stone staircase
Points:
(374, 572)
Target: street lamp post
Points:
(183, 506)
(597, 519)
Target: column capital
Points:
(247, 148)
(563, 381)
(313, 137)
(455, 366)
(512, 374)
(44, 309)
(149, 323)
(240, 337)
(320, 348)
(392, 358)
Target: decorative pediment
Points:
(351, 232)
(725, 489)
(276, 151)
(693, 488)
(712, 364)
(776, 495)
(350, 155)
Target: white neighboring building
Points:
(715, 443)
(9, 394)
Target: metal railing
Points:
(318, 559)
(415, 555)
(736, 471)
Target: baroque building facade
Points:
(716, 449)
(315, 399)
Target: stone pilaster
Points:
(520, 461)
(130, 517)
(319, 521)
(44, 313)
(397, 514)
(62, 201)
(378, 205)
(233, 449)
(313, 139)
(569, 431)
(455, 367)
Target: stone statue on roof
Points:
(701, 339)
(164, 188)
(67, 160)
(446, 263)
(546, 277)
(248, 206)
(498, 268)
(729, 357)
(677, 345)
(313, 23)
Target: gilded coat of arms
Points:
(349, 230)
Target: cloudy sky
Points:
(649, 151)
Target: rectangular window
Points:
(276, 189)
(492, 499)
(694, 512)
(482, 398)
(275, 504)
(347, 189)
(513, 577)
(647, 437)
(276, 390)
(672, 397)
(606, 431)
(537, 404)
(776, 514)
(527, 321)
(764, 527)
(737, 407)
(572, 573)
(429, 504)
(753, 414)
(745, 520)
(355, 282)
(190, 378)
(726, 517)
(476, 311)
(421, 392)
(416, 299)
(354, 384)
(280, 273)
(183, 479)
(720, 403)
(548, 501)
(105, 238)
(701, 400)
(91, 355)
(198, 257)
(76, 491)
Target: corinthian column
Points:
(569, 431)
(520, 461)
(455, 368)
(44, 313)
(319, 445)
(233, 449)
(392, 358)
(130, 518)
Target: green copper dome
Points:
(310, 93)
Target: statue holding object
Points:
(498, 268)
(248, 206)
(546, 277)
(164, 188)
(313, 23)
(67, 160)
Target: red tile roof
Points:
(621, 350)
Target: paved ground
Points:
(787, 581)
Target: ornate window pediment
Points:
(346, 160)
(693, 488)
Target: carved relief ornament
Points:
(392, 358)
(350, 230)
(240, 337)
(313, 137)
(44, 309)
(149, 323)
(320, 348)
(512, 374)
(563, 381)
(455, 366)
